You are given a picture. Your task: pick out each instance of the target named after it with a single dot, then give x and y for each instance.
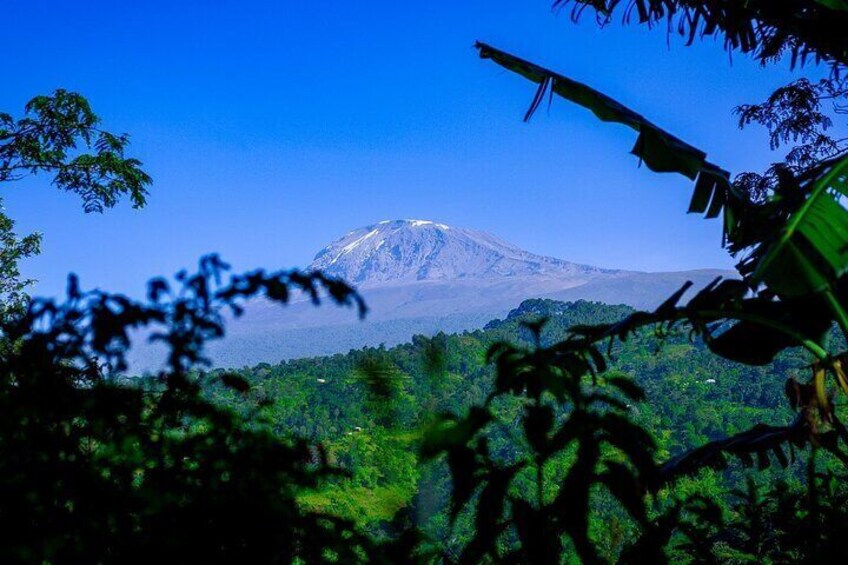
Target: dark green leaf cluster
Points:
(52, 138)
(777, 524)
(13, 297)
(95, 468)
(558, 410)
(49, 138)
(805, 29)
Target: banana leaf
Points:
(811, 250)
(803, 253)
(658, 149)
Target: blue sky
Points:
(271, 128)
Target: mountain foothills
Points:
(423, 277)
(692, 397)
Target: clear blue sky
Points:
(271, 128)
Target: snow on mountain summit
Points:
(418, 250)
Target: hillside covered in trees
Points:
(692, 397)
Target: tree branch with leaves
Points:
(60, 135)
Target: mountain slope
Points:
(422, 277)
(401, 251)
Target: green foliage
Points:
(47, 139)
(161, 466)
(781, 523)
(796, 114)
(791, 245)
(12, 249)
(609, 451)
(52, 137)
(383, 476)
(96, 469)
(787, 227)
(692, 398)
(806, 254)
(806, 29)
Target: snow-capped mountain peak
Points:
(400, 251)
(415, 223)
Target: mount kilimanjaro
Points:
(422, 277)
(408, 251)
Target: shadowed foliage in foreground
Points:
(94, 469)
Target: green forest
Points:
(708, 429)
(691, 398)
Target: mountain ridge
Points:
(395, 251)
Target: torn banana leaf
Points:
(658, 149)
